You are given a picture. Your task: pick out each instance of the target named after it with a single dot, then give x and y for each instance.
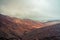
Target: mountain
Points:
(14, 28)
(51, 32)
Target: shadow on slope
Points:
(51, 32)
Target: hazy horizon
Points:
(40, 10)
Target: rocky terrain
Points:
(12, 28)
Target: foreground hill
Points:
(11, 27)
(51, 32)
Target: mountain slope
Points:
(11, 27)
(51, 32)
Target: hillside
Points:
(51, 32)
(11, 27)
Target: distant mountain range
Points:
(12, 28)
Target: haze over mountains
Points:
(40, 10)
(12, 28)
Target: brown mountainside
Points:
(12, 27)
(51, 32)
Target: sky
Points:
(40, 10)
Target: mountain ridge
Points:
(45, 32)
(12, 28)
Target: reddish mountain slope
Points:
(51, 32)
(11, 27)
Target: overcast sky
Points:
(41, 10)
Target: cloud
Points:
(33, 9)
